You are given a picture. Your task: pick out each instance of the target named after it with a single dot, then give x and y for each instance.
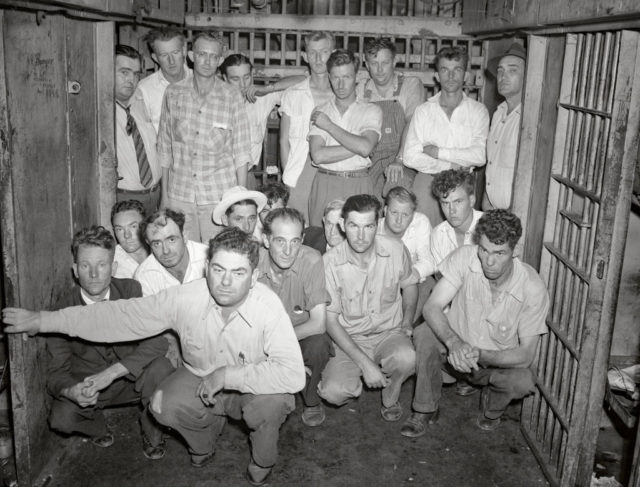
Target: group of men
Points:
(311, 286)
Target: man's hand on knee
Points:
(210, 386)
(373, 376)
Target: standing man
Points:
(139, 170)
(345, 131)
(204, 140)
(498, 306)
(241, 355)
(168, 49)
(448, 131)
(296, 274)
(502, 146)
(397, 96)
(131, 251)
(259, 101)
(402, 221)
(368, 318)
(84, 377)
(297, 104)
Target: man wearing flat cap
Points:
(239, 208)
(502, 144)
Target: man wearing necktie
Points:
(138, 170)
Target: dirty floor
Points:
(354, 447)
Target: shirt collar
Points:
(88, 301)
(346, 254)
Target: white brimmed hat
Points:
(233, 196)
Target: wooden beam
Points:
(400, 26)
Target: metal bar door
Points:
(585, 229)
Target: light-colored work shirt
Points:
(297, 103)
(154, 277)
(258, 114)
(443, 238)
(303, 284)
(256, 344)
(416, 239)
(126, 265)
(128, 168)
(502, 153)
(368, 301)
(410, 97)
(519, 311)
(359, 118)
(152, 90)
(203, 141)
(460, 140)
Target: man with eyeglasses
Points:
(204, 141)
(139, 170)
(295, 273)
(448, 131)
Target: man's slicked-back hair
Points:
(335, 205)
(373, 46)
(234, 60)
(362, 203)
(500, 227)
(161, 218)
(94, 236)
(290, 214)
(342, 57)
(210, 36)
(447, 181)
(128, 205)
(128, 51)
(403, 195)
(318, 36)
(163, 34)
(233, 239)
(457, 53)
(275, 192)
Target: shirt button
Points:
(197, 132)
(194, 175)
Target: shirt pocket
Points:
(352, 303)
(389, 295)
(503, 332)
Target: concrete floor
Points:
(355, 447)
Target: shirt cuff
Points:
(234, 377)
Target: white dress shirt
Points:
(443, 239)
(258, 114)
(126, 265)
(502, 152)
(460, 139)
(152, 90)
(154, 277)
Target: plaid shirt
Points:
(202, 141)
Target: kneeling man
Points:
(85, 377)
(491, 332)
(368, 318)
(296, 274)
(241, 356)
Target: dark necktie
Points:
(146, 178)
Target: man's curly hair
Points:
(500, 227)
(447, 181)
(233, 239)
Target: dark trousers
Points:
(150, 200)
(504, 385)
(316, 350)
(68, 417)
(200, 425)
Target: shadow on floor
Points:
(354, 447)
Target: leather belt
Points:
(360, 173)
(140, 191)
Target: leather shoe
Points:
(465, 389)
(313, 415)
(153, 452)
(487, 424)
(199, 461)
(104, 441)
(391, 413)
(416, 425)
(257, 475)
